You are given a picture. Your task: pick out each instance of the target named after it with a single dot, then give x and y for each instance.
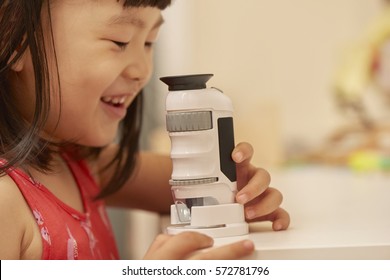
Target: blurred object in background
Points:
(364, 77)
(362, 88)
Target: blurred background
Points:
(309, 81)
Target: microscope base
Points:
(214, 232)
(224, 220)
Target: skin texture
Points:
(104, 53)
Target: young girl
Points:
(71, 76)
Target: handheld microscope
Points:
(199, 121)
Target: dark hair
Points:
(20, 143)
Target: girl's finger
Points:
(180, 246)
(229, 252)
(280, 219)
(243, 152)
(257, 185)
(265, 204)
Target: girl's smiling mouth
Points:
(115, 106)
(116, 101)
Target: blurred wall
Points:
(275, 59)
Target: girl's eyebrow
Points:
(133, 20)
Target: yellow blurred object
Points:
(364, 161)
(368, 160)
(357, 70)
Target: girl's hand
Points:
(191, 245)
(261, 201)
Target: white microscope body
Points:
(200, 126)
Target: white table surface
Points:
(335, 214)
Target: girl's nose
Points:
(139, 64)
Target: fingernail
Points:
(248, 244)
(242, 198)
(250, 214)
(238, 156)
(277, 227)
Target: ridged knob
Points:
(189, 121)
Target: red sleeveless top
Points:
(67, 233)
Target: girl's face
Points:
(104, 56)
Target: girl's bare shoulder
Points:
(15, 220)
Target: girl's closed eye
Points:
(121, 45)
(149, 45)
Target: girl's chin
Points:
(97, 142)
(94, 139)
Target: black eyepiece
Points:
(186, 82)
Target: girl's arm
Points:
(148, 188)
(15, 219)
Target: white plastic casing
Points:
(194, 153)
(197, 173)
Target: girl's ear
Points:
(18, 65)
